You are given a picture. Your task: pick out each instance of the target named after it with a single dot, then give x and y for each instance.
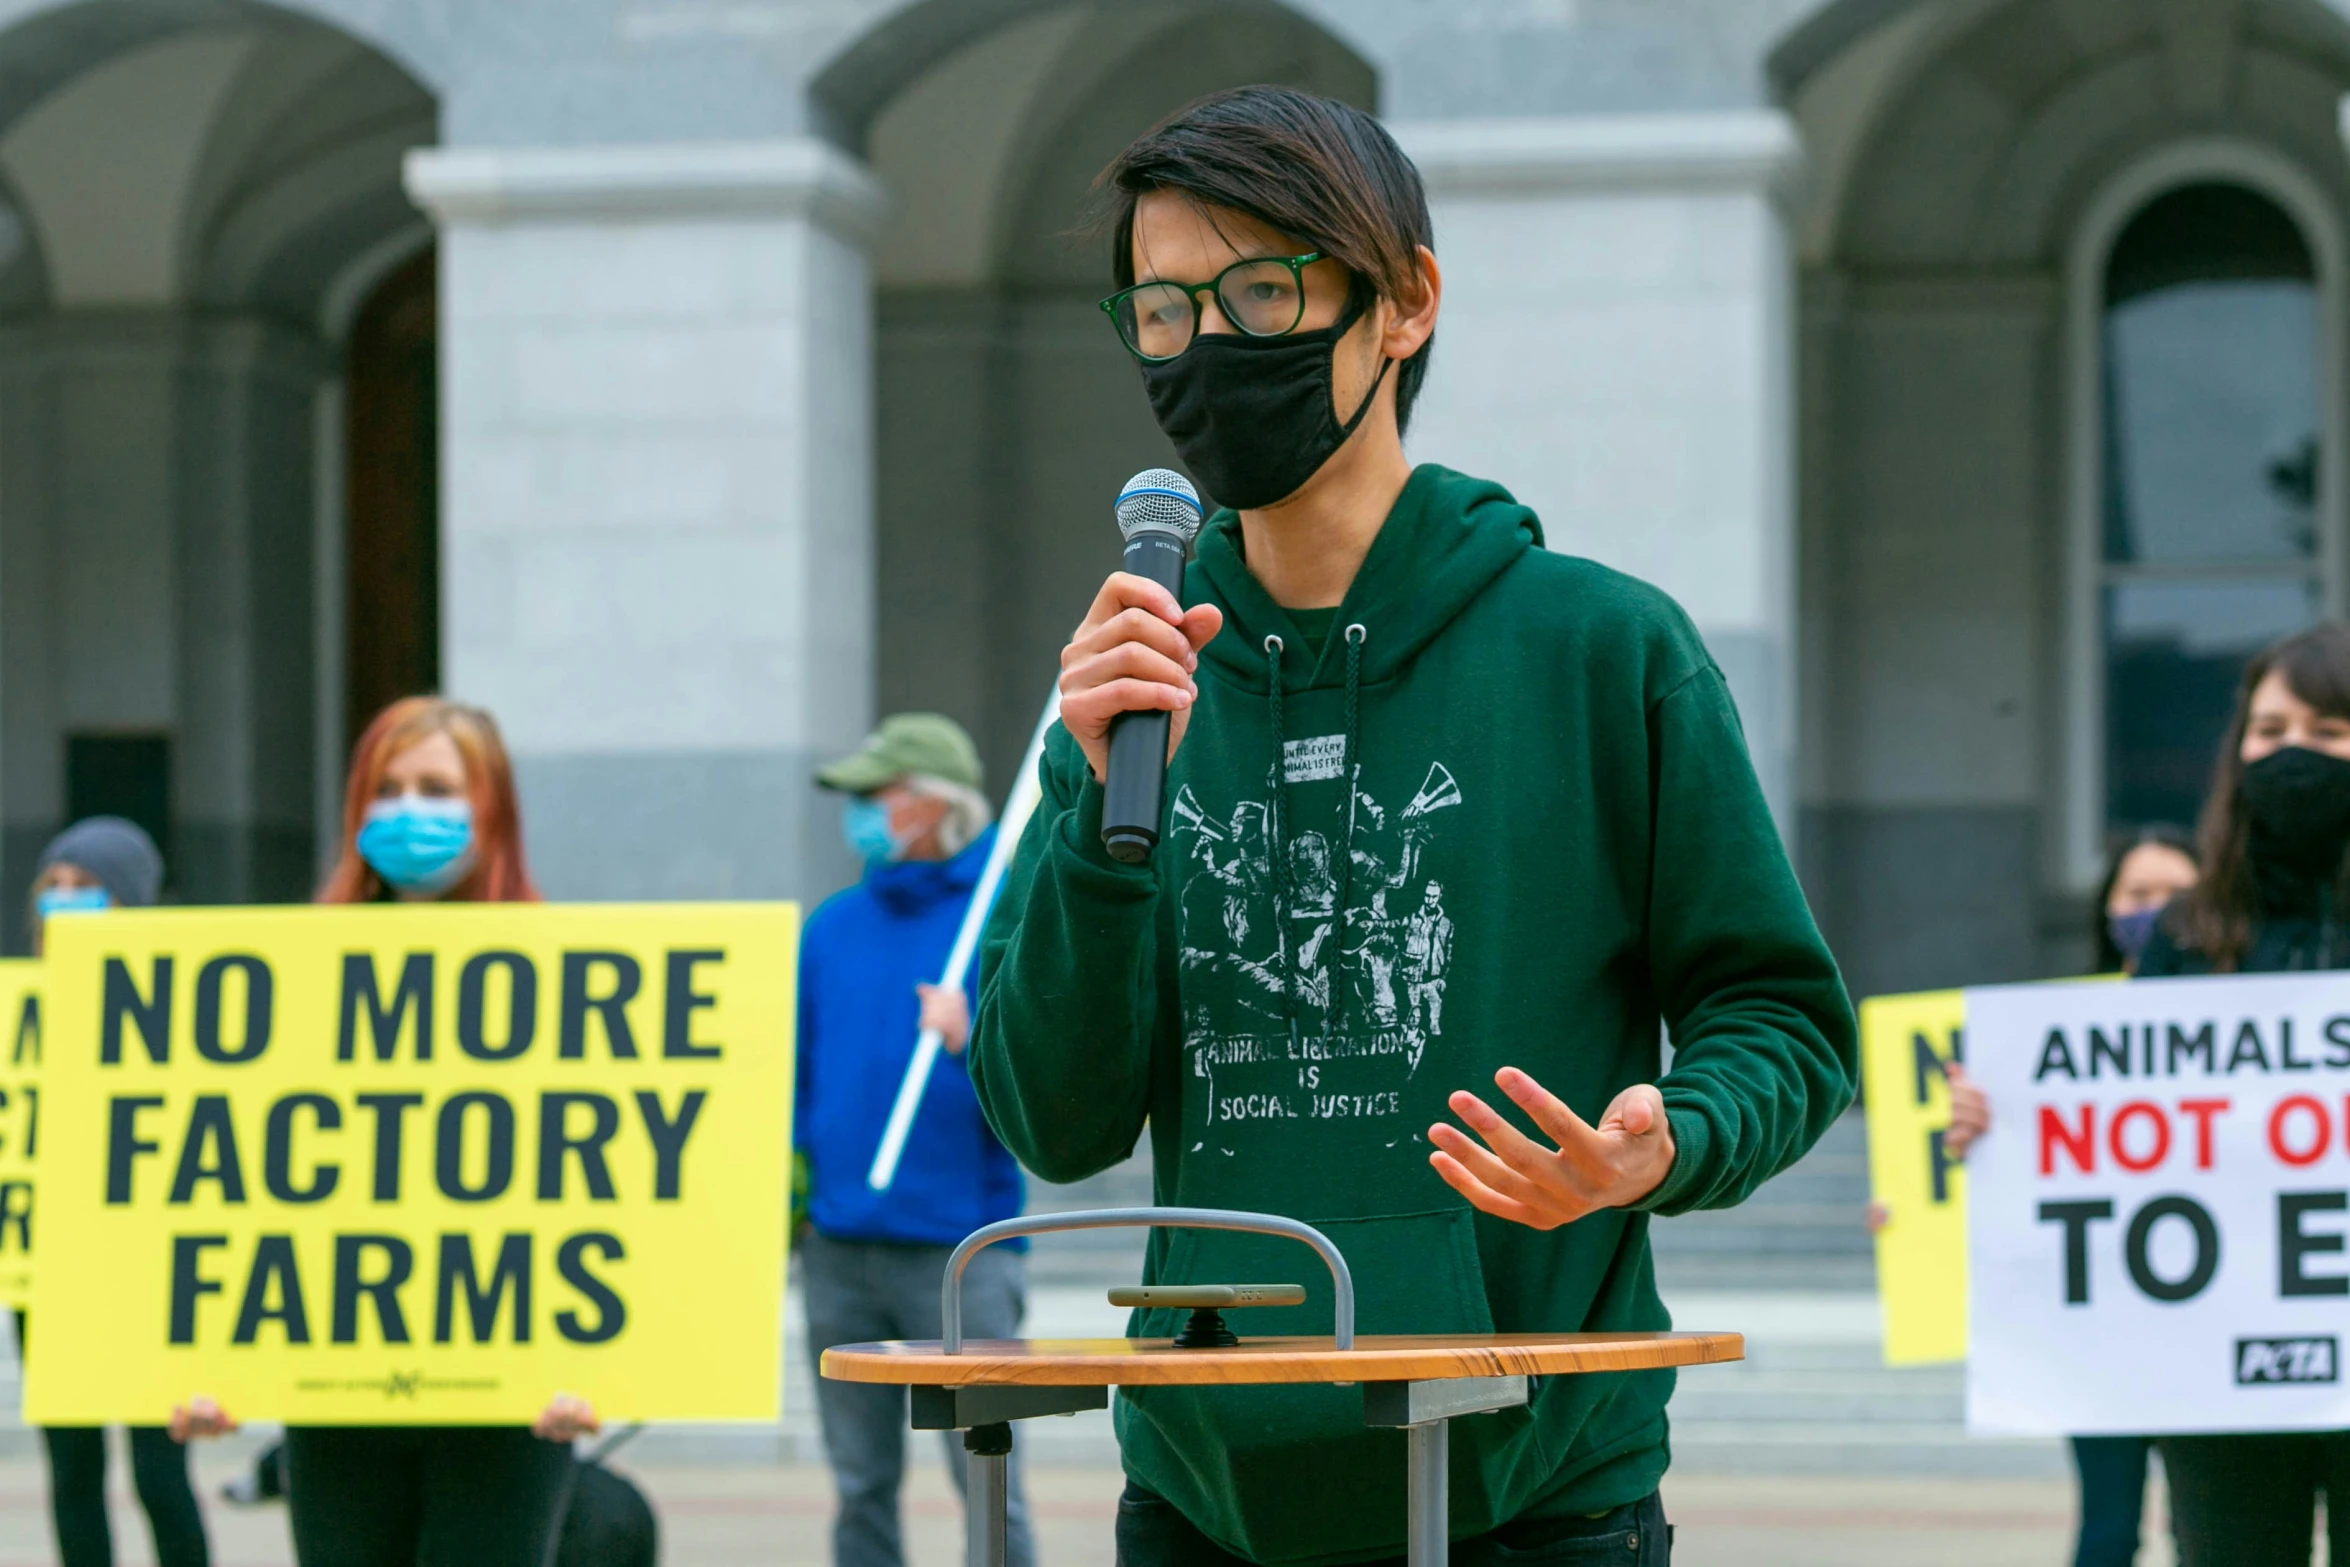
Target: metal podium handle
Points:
(950, 1292)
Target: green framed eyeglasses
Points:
(1263, 297)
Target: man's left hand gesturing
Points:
(1513, 1177)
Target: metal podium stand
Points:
(1416, 1381)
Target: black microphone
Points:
(1158, 511)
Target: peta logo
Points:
(2262, 1361)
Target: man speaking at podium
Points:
(1448, 814)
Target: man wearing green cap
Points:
(871, 1262)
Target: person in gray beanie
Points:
(100, 862)
(104, 862)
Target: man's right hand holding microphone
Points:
(1137, 651)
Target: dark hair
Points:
(2217, 915)
(1310, 166)
(2119, 848)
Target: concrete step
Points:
(1860, 1448)
(1092, 1257)
(1718, 1395)
(1683, 1270)
(1812, 1210)
(1814, 1229)
(1840, 1223)
(1776, 1350)
(1814, 1397)
(1823, 1174)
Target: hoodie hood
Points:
(1445, 540)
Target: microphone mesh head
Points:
(1159, 500)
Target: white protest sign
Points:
(2157, 1218)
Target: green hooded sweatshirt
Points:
(1504, 817)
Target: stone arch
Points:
(46, 43)
(265, 155)
(859, 83)
(1828, 33)
(300, 179)
(2025, 111)
(1076, 128)
(1823, 36)
(853, 89)
(1958, 151)
(204, 189)
(990, 147)
(2021, 107)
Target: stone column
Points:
(244, 787)
(1616, 347)
(156, 590)
(657, 498)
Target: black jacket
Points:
(2300, 927)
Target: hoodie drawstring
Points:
(1351, 767)
(1280, 836)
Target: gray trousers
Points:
(858, 1292)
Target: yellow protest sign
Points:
(426, 1165)
(1921, 1251)
(20, 1122)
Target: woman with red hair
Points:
(430, 813)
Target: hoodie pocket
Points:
(1281, 1474)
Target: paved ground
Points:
(719, 1510)
(733, 1515)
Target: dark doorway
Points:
(126, 775)
(392, 624)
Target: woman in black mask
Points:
(2275, 896)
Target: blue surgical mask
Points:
(864, 826)
(2131, 932)
(417, 844)
(73, 900)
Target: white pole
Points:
(1026, 791)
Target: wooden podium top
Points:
(1153, 1362)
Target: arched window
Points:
(2210, 540)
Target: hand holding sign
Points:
(198, 1418)
(1611, 1166)
(1970, 1111)
(946, 1014)
(566, 1418)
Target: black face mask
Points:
(2297, 804)
(1251, 417)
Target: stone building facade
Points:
(689, 380)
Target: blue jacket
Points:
(861, 955)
